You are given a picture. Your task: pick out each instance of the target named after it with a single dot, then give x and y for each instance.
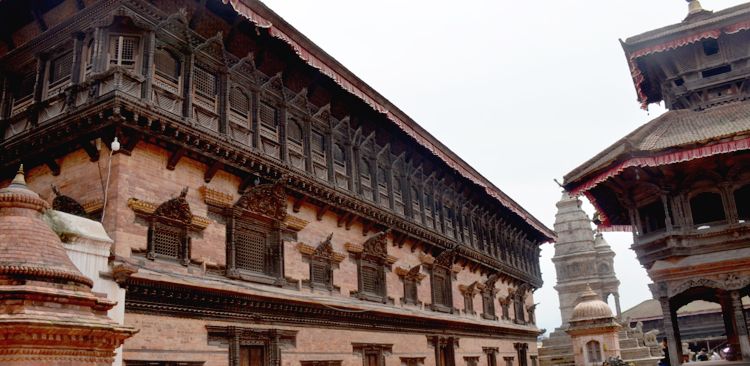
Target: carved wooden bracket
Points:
(473, 289)
(145, 208)
(295, 223)
(426, 258)
(413, 273)
(359, 249)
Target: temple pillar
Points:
(672, 331)
(741, 324)
(730, 322)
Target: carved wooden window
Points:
(449, 219)
(366, 180)
(488, 304)
(383, 178)
(518, 308)
(340, 166)
(318, 147)
(429, 203)
(491, 353)
(23, 90)
(416, 208)
(338, 155)
(318, 142)
(166, 70)
(163, 363)
(593, 352)
(441, 289)
(239, 102)
(59, 69)
(469, 302)
(471, 360)
(410, 291)
(653, 218)
(521, 349)
(372, 354)
(124, 51)
(294, 131)
(398, 195)
(253, 356)
(444, 349)
(321, 273)
(168, 230)
(251, 246)
(707, 208)
(742, 202)
(90, 52)
(373, 279)
(204, 88)
(321, 363)
(269, 116)
(412, 361)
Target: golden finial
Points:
(19, 179)
(694, 6)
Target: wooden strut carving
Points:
(267, 200)
(67, 204)
(446, 258)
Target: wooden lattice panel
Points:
(250, 248)
(167, 240)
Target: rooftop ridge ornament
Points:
(19, 179)
(695, 9)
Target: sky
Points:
(524, 91)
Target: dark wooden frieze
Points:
(161, 298)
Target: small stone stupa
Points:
(593, 330)
(48, 314)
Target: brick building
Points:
(267, 207)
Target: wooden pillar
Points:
(329, 141)
(75, 69)
(187, 86)
(41, 71)
(149, 48)
(254, 122)
(672, 331)
(224, 101)
(741, 323)
(667, 215)
(307, 147)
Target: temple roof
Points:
(651, 309)
(263, 17)
(675, 136)
(696, 27)
(29, 249)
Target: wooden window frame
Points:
(272, 268)
(137, 51)
(372, 255)
(166, 82)
(379, 350)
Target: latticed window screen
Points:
(441, 287)
(488, 304)
(269, 116)
(469, 303)
(59, 67)
(320, 272)
(318, 142)
(25, 86)
(123, 51)
(167, 66)
(410, 291)
(204, 83)
(167, 239)
(250, 245)
(372, 282)
(294, 131)
(239, 102)
(338, 154)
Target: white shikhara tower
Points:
(582, 258)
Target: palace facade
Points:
(267, 206)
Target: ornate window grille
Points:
(124, 51)
(372, 262)
(168, 230)
(167, 71)
(441, 276)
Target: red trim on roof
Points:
(637, 74)
(664, 159)
(317, 63)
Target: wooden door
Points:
(252, 356)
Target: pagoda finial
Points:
(694, 6)
(19, 180)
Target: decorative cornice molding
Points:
(295, 223)
(213, 197)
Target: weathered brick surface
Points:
(143, 175)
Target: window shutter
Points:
(167, 240)
(268, 116)
(204, 83)
(250, 247)
(370, 280)
(60, 68)
(239, 101)
(167, 66)
(320, 273)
